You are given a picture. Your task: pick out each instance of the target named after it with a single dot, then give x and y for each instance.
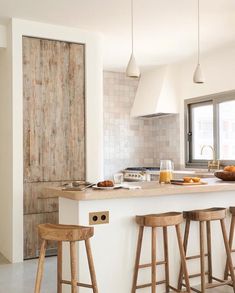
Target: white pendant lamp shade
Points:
(132, 68)
(198, 76)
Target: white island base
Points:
(114, 244)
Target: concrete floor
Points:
(20, 278)
(3, 260)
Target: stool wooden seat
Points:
(159, 221)
(204, 217)
(64, 232)
(71, 234)
(212, 214)
(231, 237)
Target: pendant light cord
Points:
(132, 26)
(198, 57)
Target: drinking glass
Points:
(166, 171)
(118, 178)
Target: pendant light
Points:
(132, 69)
(198, 75)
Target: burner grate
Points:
(142, 169)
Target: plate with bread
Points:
(106, 185)
(228, 174)
(189, 181)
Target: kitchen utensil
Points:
(181, 182)
(77, 186)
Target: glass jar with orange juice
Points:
(166, 171)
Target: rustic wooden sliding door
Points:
(54, 127)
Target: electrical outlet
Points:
(98, 218)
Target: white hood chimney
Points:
(156, 94)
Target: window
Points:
(210, 121)
(227, 130)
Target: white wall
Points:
(3, 36)
(94, 117)
(219, 70)
(5, 154)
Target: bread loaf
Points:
(106, 183)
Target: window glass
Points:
(227, 130)
(202, 131)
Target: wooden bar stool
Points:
(204, 217)
(71, 234)
(154, 221)
(231, 236)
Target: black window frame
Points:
(214, 100)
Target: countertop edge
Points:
(148, 190)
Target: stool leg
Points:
(73, 263)
(137, 259)
(186, 236)
(183, 258)
(40, 267)
(91, 266)
(229, 257)
(59, 268)
(231, 236)
(154, 258)
(208, 230)
(166, 256)
(202, 256)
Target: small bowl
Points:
(225, 175)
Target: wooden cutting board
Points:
(188, 184)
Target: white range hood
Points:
(156, 94)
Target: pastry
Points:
(106, 183)
(196, 179)
(187, 179)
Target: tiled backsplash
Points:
(132, 142)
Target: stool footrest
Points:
(195, 256)
(148, 265)
(212, 285)
(150, 284)
(192, 288)
(218, 280)
(176, 290)
(78, 284)
(196, 275)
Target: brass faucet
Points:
(212, 165)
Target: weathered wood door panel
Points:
(54, 128)
(31, 240)
(54, 110)
(34, 202)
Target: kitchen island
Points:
(114, 244)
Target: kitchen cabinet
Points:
(34, 203)
(31, 240)
(54, 127)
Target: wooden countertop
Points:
(149, 189)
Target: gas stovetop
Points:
(142, 169)
(139, 173)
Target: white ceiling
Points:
(165, 30)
